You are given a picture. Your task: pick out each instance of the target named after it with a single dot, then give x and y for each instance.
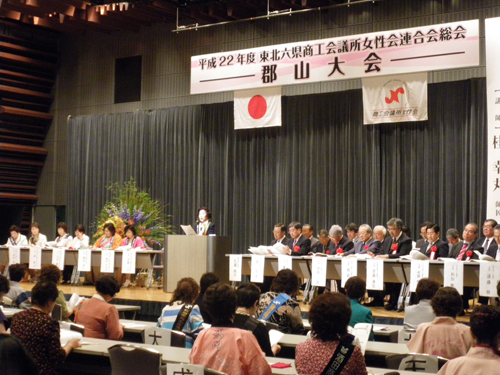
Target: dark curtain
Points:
(322, 167)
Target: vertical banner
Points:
(107, 261)
(489, 275)
(235, 267)
(35, 258)
(318, 277)
(14, 255)
(454, 275)
(396, 98)
(128, 261)
(257, 272)
(58, 258)
(349, 269)
(419, 270)
(84, 260)
(374, 274)
(284, 262)
(492, 30)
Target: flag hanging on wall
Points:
(396, 98)
(257, 108)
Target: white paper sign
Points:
(14, 255)
(235, 267)
(489, 275)
(349, 269)
(35, 258)
(257, 272)
(107, 261)
(284, 262)
(183, 369)
(375, 274)
(419, 270)
(318, 277)
(58, 258)
(128, 261)
(454, 275)
(84, 260)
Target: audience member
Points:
(207, 279)
(39, 332)
(355, 289)
(484, 358)
(16, 274)
(422, 312)
(97, 315)
(279, 305)
(444, 336)
(14, 359)
(329, 316)
(52, 273)
(248, 300)
(181, 314)
(4, 288)
(225, 348)
(16, 238)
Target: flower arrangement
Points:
(130, 205)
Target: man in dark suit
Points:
(279, 233)
(338, 239)
(380, 234)
(488, 242)
(436, 245)
(366, 242)
(453, 238)
(423, 243)
(496, 255)
(298, 244)
(352, 232)
(401, 245)
(325, 243)
(308, 232)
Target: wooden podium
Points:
(192, 256)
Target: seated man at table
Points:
(421, 312)
(298, 244)
(16, 274)
(366, 242)
(340, 242)
(325, 245)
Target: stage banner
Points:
(492, 30)
(257, 108)
(419, 49)
(397, 98)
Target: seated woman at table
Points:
(39, 332)
(81, 240)
(14, 359)
(37, 238)
(279, 305)
(135, 242)
(16, 238)
(222, 347)
(63, 238)
(422, 312)
(484, 358)
(355, 289)
(4, 289)
(52, 273)
(329, 316)
(97, 315)
(110, 240)
(444, 336)
(181, 314)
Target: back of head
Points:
(221, 302)
(187, 291)
(447, 302)
(4, 285)
(14, 359)
(50, 272)
(206, 280)
(247, 295)
(107, 285)
(427, 288)
(355, 287)
(286, 281)
(329, 316)
(485, 325)
(43, 293)
(17, 272)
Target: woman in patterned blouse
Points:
(39, 332)
(329, 316)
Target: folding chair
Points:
(133, 360)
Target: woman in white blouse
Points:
(16, 238)
(64, 237)
(81, 240)
(37, 239)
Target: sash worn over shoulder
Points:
(273, 306)
(182, 317)
(341, 356)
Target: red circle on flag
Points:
(257, 107)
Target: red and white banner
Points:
(492, 31)
(419, 49)
(257, 108)
(397, 98)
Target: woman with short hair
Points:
(37, 238)
(135, 242)
(16, 238)
(52, 273)
(81, 240)
(329, 316)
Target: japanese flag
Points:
(257, 108)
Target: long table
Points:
(395, 270)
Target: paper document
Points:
(275, 336)
(188, 229)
